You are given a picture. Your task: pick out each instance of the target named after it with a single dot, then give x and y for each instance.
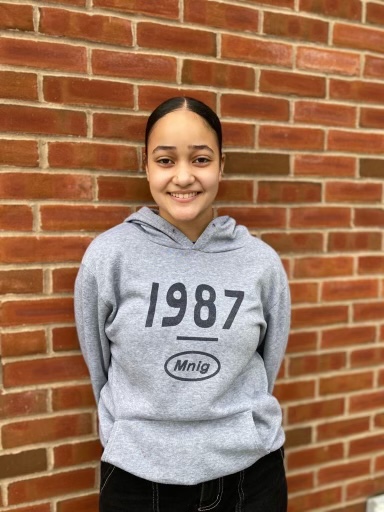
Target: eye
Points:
(164, 161)
(202, 160)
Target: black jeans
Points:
(259, 488)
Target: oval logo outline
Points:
(192, 379)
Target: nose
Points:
(184, 175)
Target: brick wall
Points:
(299, 85)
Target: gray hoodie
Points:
(183, 342)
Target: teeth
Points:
(183, 196)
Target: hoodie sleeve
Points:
(91, 314)
(275, 340)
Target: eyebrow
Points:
(173, 148)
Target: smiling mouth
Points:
(187, 195)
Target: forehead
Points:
(181, 126)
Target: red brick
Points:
(324, 114)
(124, 189)
(50, 486)
(45, 186)
(235, 190)
(342, 428)
(293, 391)
(82, 218)
(285, 137)
(315, 411)
(367, 401)
(42, 249)
(63, 279)
(172, 38)
(314, 456)
(364, 488)
(343, 472)
(374, 67)
(320, 217)
(356, 241)
(21, 281)
(21, 153)
(367, 357)
(219, 15)
(254, 107)
(243, 162)
(344, 336)
(197, 72)
(16, 17)
(294, 242)
(358, 37)
(328, 61)
(27, 312)
(315, 364)
(371, 265)
(18, 86)
(350, 290)
(78, 453)
(349, 192)
(295, 27)
(23, 463)
(82, 91)
(69, 2)
(238, 135)
(298, 437)
(379, 420)
(300, 482)
(104, 29)
(73, 397)
(289, 4)
(17, 118)
(277, 82)
(42, 371)
(84, 503)
(43, 55)
(162, 8)
(305, 317)
(375, 13)
(73, 155)
(15, 217)
(373, 217)
(64, 338)
(318, 267)
(256, 218)
(288, 192)
(315, 500)
(324, 165)
(379, 465)
(350, 10)
(256, 51)
(132, 65)
(372, 118)
(368, 311)
(346, 383)
(25, 403)
(302, 342)
(118, 126)
(14, 344)
(357, 90)
(304, 292)
(150, 96)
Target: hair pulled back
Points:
(180, 103)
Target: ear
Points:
(222, 166)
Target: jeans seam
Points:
(239, 506)
(107, 478)
(217, 500)
(155, 497)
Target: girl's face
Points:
(184, 168)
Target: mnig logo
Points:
(192, 366)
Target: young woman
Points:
(183, 320)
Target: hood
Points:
(221, 235)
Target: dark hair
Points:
(184, 102)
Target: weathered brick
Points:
(24, 403)
(366, 312)
(82, 91)
(351, 10)
(40, 311)
(344, 336)
(73, 397)
(362, 38)
(316, 364)
(256, 218)
(313, 456)
(371, 168)
(369, 217)
(254, 107)
(77, 453)
(18, 86)
(150, 96)
(324, 165)
(288, 84)
(305, 317)
(320, 217)
(371, 265)
(43, 55)
(63, 279)
(162, 8)
(87, 503)
(367, 357)
(133, 65)
(313, 411)
(300, 482)
(235, 190)
(325, 114)
(119, 126)
(256, 51)
(302, 342)
(297, 436)
(363, 488)
(350, 290)
(21, 153)
(346, 383)
(238, 135)
(317, 267)
(70, 24)
(342, 428)
(288, 192)
(82, 218)
(372, 118)
(64, 338)
(295, 27)
(344, 471)
(21, 281)
(294, 242)
(16, 344)
(286, 137)
(294, 391)
(16, 17)
(15, 217)
(353, 192)
(23, 463)
(242, 162)
(328, 61)
(356, 90)
(197, 72)
(343, 241)
(374, 67)
(355, 142)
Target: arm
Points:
(91, 314)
